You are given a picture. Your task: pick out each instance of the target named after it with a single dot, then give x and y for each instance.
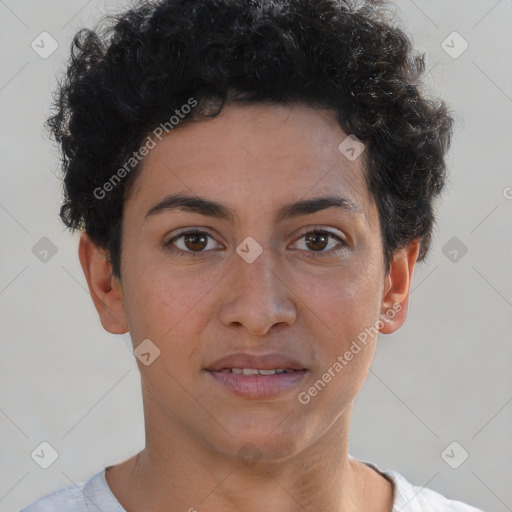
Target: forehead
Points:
(254, 157)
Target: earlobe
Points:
(104, 288)
(395, 299)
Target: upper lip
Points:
(260, 362)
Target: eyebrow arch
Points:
(209, 208)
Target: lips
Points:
(255, 371)
(252, 364)
(258, 377)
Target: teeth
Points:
(256, 371)
(267, 372)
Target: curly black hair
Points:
(136, 69)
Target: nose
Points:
(257, 296)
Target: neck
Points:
(175, 472)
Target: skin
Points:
(253, 159)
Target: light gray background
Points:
(444, 377)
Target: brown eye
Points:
(319, 242)
(191, 243)
(195, 241)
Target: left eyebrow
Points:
(209, 208)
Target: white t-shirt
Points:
(95, 495)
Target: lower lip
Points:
(258, 386)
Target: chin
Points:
(269, 441)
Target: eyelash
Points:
(200, 254)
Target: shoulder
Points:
(91, 494)
(411, 498)
(68, 498)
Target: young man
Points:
(254, 181)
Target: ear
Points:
(104, 288)
(395, 297)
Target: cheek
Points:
(343, 303)
(167, 307)
(345, 314)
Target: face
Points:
(251, 273)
